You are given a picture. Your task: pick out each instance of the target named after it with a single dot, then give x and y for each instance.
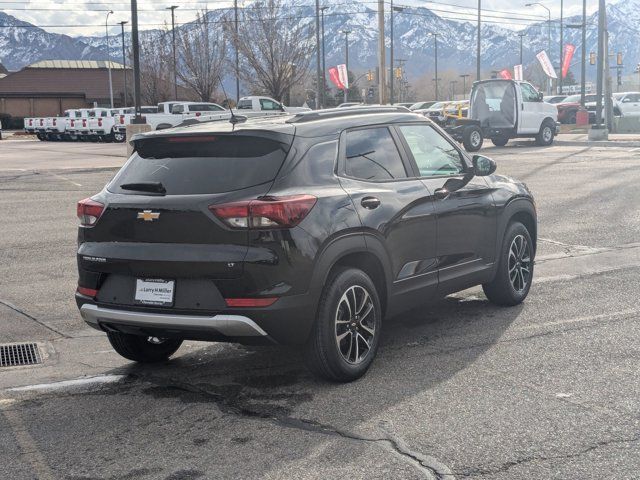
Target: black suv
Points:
(306, 229)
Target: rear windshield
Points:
(209, 164)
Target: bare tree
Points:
(155, 68)
(202, 50)
(275, 49)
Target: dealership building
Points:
(49, 87)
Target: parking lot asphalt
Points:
(460, 388)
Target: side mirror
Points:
(483, 166)
(540, 97)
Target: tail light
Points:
(99, 122)
(89, 211)
(198, 114)
(89, 292)
(55, 122)
(121, 119)
(31, 122)
(73, 123)
(84, 122)
(271, 212)
(41, 121)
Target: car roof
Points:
(318, 126)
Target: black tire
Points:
(142, 349)
(502, 290)
(500, 141)
(41, 137)
(546, 134)
(119, 137)
(325, 352)
(472, 138)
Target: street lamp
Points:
(175, 65)
(318, 59)
(124, 62)
(548, 31)
(346, 63)
(435, 40)
(478, 42)
(391, 91)
(106, 28)
(561, 47)
(135, 50)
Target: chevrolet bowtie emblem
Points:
(148, 215)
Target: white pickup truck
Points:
(103, 127)
(265, 105)
(56, 127)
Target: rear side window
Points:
(205, 107)
(202, 165)
(244, 105)
(372, 154)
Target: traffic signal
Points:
(369, 75)
(398, 72)
(592, 58)
(619, 58)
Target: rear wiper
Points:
(153, 187)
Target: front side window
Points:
(177, 109)
(433, 154)
(269, 104)
(529, 93)
(372, 154)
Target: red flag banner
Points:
(568, 55)
(334, 76)
(506, 74)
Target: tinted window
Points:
(244, 105)
(433, 154)
(144, 110)
(371, 154)
(212, 165)
(204, 107)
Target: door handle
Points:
(370, 203)
(441, 193)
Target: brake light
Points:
(31, 122)
(89, 211)
(99, 122)
(84, 122)
(41, 122)
(198, 114)
(273, 212)
(121, 119)
(249, 302)
(73, 123)
(89, 292)
(55, 122)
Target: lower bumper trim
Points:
(228, 325)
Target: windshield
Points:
(571, 99)
(202, 165)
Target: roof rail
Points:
(344, 112)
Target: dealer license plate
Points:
(151, 291)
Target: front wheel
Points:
(545, 136)
(143, 349)
(345, 337)
(472, 138)
(119, 137)
(513, 278)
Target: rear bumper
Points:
(227, 325)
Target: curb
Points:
(603, 143)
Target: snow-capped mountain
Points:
(22, 43)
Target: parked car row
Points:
(109, 125)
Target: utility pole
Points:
(391, 99)
(235, 26)
(346, 63)
(319, 101)
(382, 68)
(478, 45)
(124, 64)
(464, 84)
(601, 62)
(561, 47)
(324, 68)
(106, 27)
(521, 35)
(136, 59)
(583, 67)
(435, 39)
(175, 64)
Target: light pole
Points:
(235, 26)
(391, 79)
(464, 84)
(124, 63)
(548, 32)
(583, 53)
(318, 59)
(324, 68)
(106, 28)
(521, 35)
(346, 63)
(478, 42)
(136, 59)
(435, 40)
(173, 40)
(561, 47)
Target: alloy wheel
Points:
(475, 138)
(519, 263)
(355, 324)
(547, 134)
